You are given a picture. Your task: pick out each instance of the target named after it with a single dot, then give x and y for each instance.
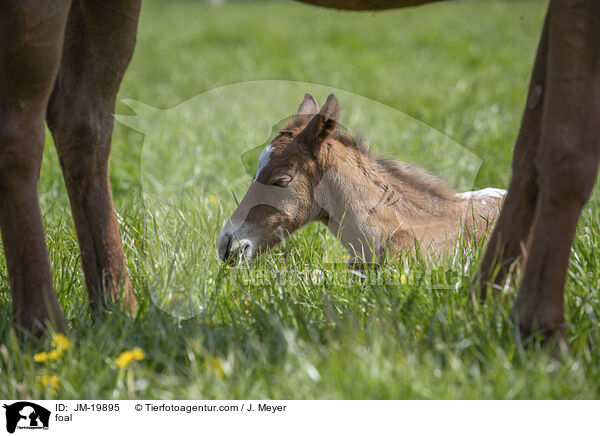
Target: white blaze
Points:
(264, 159)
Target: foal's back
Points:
(432, 215)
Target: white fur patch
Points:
(483, 193)
(264, 159)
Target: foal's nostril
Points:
(247, 250)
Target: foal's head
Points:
(281, 197)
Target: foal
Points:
(313, 171)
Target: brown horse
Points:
(63, 60)
(315, 171)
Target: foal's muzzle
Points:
(232, 250)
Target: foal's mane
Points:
(387, 172)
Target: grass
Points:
(278, 328)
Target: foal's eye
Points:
(283, 182)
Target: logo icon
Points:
(26, 415)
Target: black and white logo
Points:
(26, 415)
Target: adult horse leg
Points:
(99, 43)
(513, 226)
(31, 38)
(567, 161)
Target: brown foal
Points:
(64, 60)
(313, 170)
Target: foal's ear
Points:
(309, 105)
(322, 124)
(331, 109)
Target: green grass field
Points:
(270, 330)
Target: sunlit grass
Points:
(297, 323)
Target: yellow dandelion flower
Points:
(124, 359)
(246, 302)
(48, 381)
(214, 365)
(138, 353)
(212, 199)
(403, 278)
(61, 342)
(54, 354)
(128, 356)
(40, 357)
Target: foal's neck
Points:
(372, 205)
